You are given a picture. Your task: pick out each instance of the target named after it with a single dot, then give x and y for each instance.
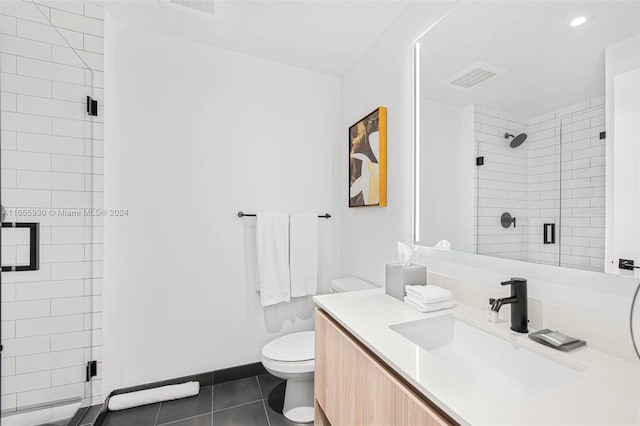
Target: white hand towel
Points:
(303, 258)
(272, 250)
(250, 255)
(427, 307)
(429, 293)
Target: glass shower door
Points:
(544, 155)
(50, 165)
(583, 185)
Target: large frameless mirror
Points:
(515, 129)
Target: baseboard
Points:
(239, 372)
(205, 379)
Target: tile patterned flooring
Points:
(244, 402)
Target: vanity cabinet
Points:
(353, 387)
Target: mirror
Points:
(511, 128)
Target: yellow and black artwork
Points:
(368, 160)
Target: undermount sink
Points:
(495, 364)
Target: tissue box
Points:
(398, 276)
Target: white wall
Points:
(619, 58)
(195, 135)
(447, 175)
(383, 76)
(502, 184)
(626, 197)
(51, 59)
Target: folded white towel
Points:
(272, 250)
(429, 293)
(303, 258)
(427, 307)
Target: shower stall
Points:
(541, 194)
(51, 148)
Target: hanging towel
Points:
(429, 293)
(303, 260)
(272, 250)
(250, 255)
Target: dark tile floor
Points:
(251, 401)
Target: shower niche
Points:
(511, 132)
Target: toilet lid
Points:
(291, 348)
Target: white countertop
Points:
(605, 392)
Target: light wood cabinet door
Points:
(354, 388)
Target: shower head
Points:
(517, 140)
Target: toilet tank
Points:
(341, 285)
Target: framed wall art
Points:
(368, 160)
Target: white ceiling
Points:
(327, 36)
(548, 64)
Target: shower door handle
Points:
(549, 233)
(34, 246)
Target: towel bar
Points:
(242, 214)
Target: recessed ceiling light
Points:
(576, 22)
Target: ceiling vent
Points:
(473, 76)
(206, 7)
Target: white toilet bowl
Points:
(292, 357)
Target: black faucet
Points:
(518, 301)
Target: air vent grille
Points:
(473, 76)
(199, 6)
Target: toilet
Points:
(291, 358)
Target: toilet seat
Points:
(289, 367)
(292, 353)
(293, 347)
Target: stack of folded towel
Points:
(428, 298)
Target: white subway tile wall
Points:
(575, 187)
(544, 149)
(51, 158)
(502, 184)
(556, 176)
